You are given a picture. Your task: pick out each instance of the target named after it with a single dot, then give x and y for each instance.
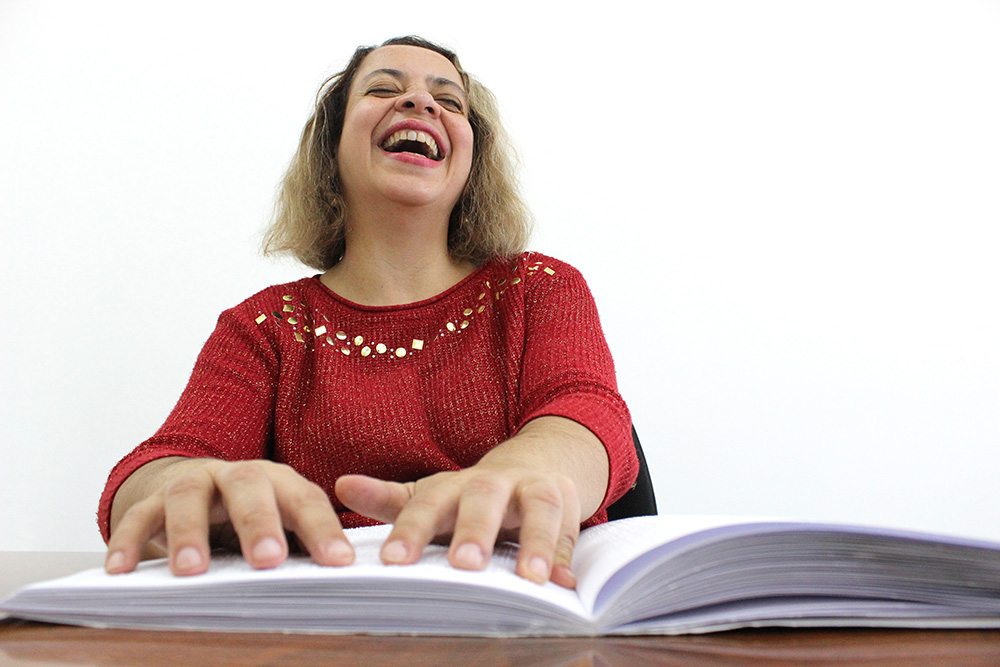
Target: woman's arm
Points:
(200, 481)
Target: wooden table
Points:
(27, 643)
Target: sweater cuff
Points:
(121, 472)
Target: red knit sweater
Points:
(299, 375)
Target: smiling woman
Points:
(434, 376)
(490, 219)
(402, 89)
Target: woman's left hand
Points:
(476, 507)
(536, 489)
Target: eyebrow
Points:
(399, 74)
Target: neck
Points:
(392, 259)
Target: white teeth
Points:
(412, 135)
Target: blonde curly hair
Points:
(490, 219)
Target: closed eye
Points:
(450, 103)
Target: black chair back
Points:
(639, 500)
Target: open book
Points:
(647, 575)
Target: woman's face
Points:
(406, 136)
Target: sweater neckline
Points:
(402, 306)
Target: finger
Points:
(248, 495)
(186, 502)
(481, 510)
(373, 498)
(429, 512)
(306, 510)
(562, 565)
(140, 524)
(549, 510)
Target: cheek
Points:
(359, 123)
(355, 141)
(463, 146)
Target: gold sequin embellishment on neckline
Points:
(295, 316)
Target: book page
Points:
(367, 596)
(602, 551)
(680, 574)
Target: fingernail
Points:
(337, 551)
(469, 556)
(566, 577)
(187, 558)
(539, 568)
(115, 562)
(394, 552)
(267, 550)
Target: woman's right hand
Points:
(181, 508)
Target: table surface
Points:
(29, 643)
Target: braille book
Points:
(647, 575)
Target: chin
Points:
(417, 197)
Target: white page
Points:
(605, 549)
(233, 570)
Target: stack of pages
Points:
(648, 575)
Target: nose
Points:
(419, 100)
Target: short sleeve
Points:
(225, 412)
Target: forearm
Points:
(558, 445)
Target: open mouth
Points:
(412, 141)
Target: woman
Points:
(431, 377)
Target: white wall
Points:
(788, 213)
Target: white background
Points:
(787, 211)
